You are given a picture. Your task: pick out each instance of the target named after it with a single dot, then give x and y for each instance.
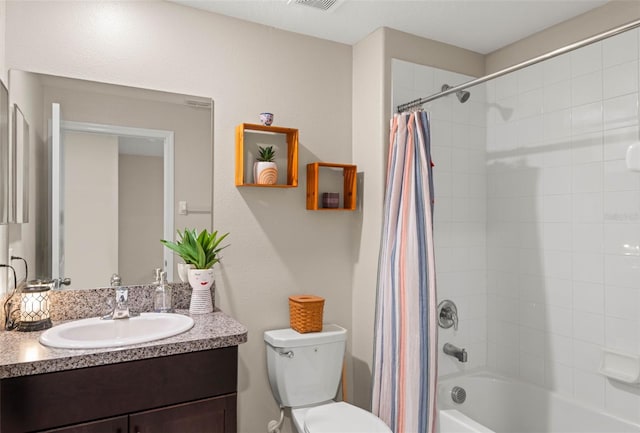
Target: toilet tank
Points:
(305, 368)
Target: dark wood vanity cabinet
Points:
(209, 415)
(188, 393)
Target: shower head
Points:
(462, 95)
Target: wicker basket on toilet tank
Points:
(305, 313)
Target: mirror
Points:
(109, 165)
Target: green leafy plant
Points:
(200, 250)
(266, 154)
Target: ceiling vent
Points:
(323, 5)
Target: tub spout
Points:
(459, 354)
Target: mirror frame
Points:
(19, 201)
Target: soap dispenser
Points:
(156, 273)
(162, 295)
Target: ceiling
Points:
(482, 26)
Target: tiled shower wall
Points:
(537, 219)
(563, 222)
(458, 144)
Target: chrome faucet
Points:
(459, 354)
(121, 309)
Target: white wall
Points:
(277, 247)
(459, 175)
(369, 128)
(608, 16)
(563, 226)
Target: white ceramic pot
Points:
(201, 281)
(265, 173)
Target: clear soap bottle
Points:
(162, 296)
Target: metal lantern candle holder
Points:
(35, 306)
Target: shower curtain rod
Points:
(551, 54)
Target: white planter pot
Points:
(201, 281)
(265, 173)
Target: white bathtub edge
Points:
(454, 421)
(627, 425)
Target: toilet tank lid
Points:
(290, 338)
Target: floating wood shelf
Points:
(291, 136)
(349, 172)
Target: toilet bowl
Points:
(304, 374)
(337, 417)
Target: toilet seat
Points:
(341, 417)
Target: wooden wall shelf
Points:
(349, 172)
(291, 137)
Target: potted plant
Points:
(199, 252)
(265, 170)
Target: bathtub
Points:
(496, 404)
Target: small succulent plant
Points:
(266, 154)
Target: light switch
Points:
(182, 207)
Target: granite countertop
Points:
(21, 354)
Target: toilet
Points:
(304, 373)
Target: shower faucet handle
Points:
(453, 315)
(448, 315)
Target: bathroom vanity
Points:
(186, 383)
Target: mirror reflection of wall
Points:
(119, 232)
(90, 249)
(125, 209)
(139, 207)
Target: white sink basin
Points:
(96, 333)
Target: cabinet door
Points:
(112, 425)
(213, 415)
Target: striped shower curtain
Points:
(405, 358)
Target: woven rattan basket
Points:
(305, 313)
